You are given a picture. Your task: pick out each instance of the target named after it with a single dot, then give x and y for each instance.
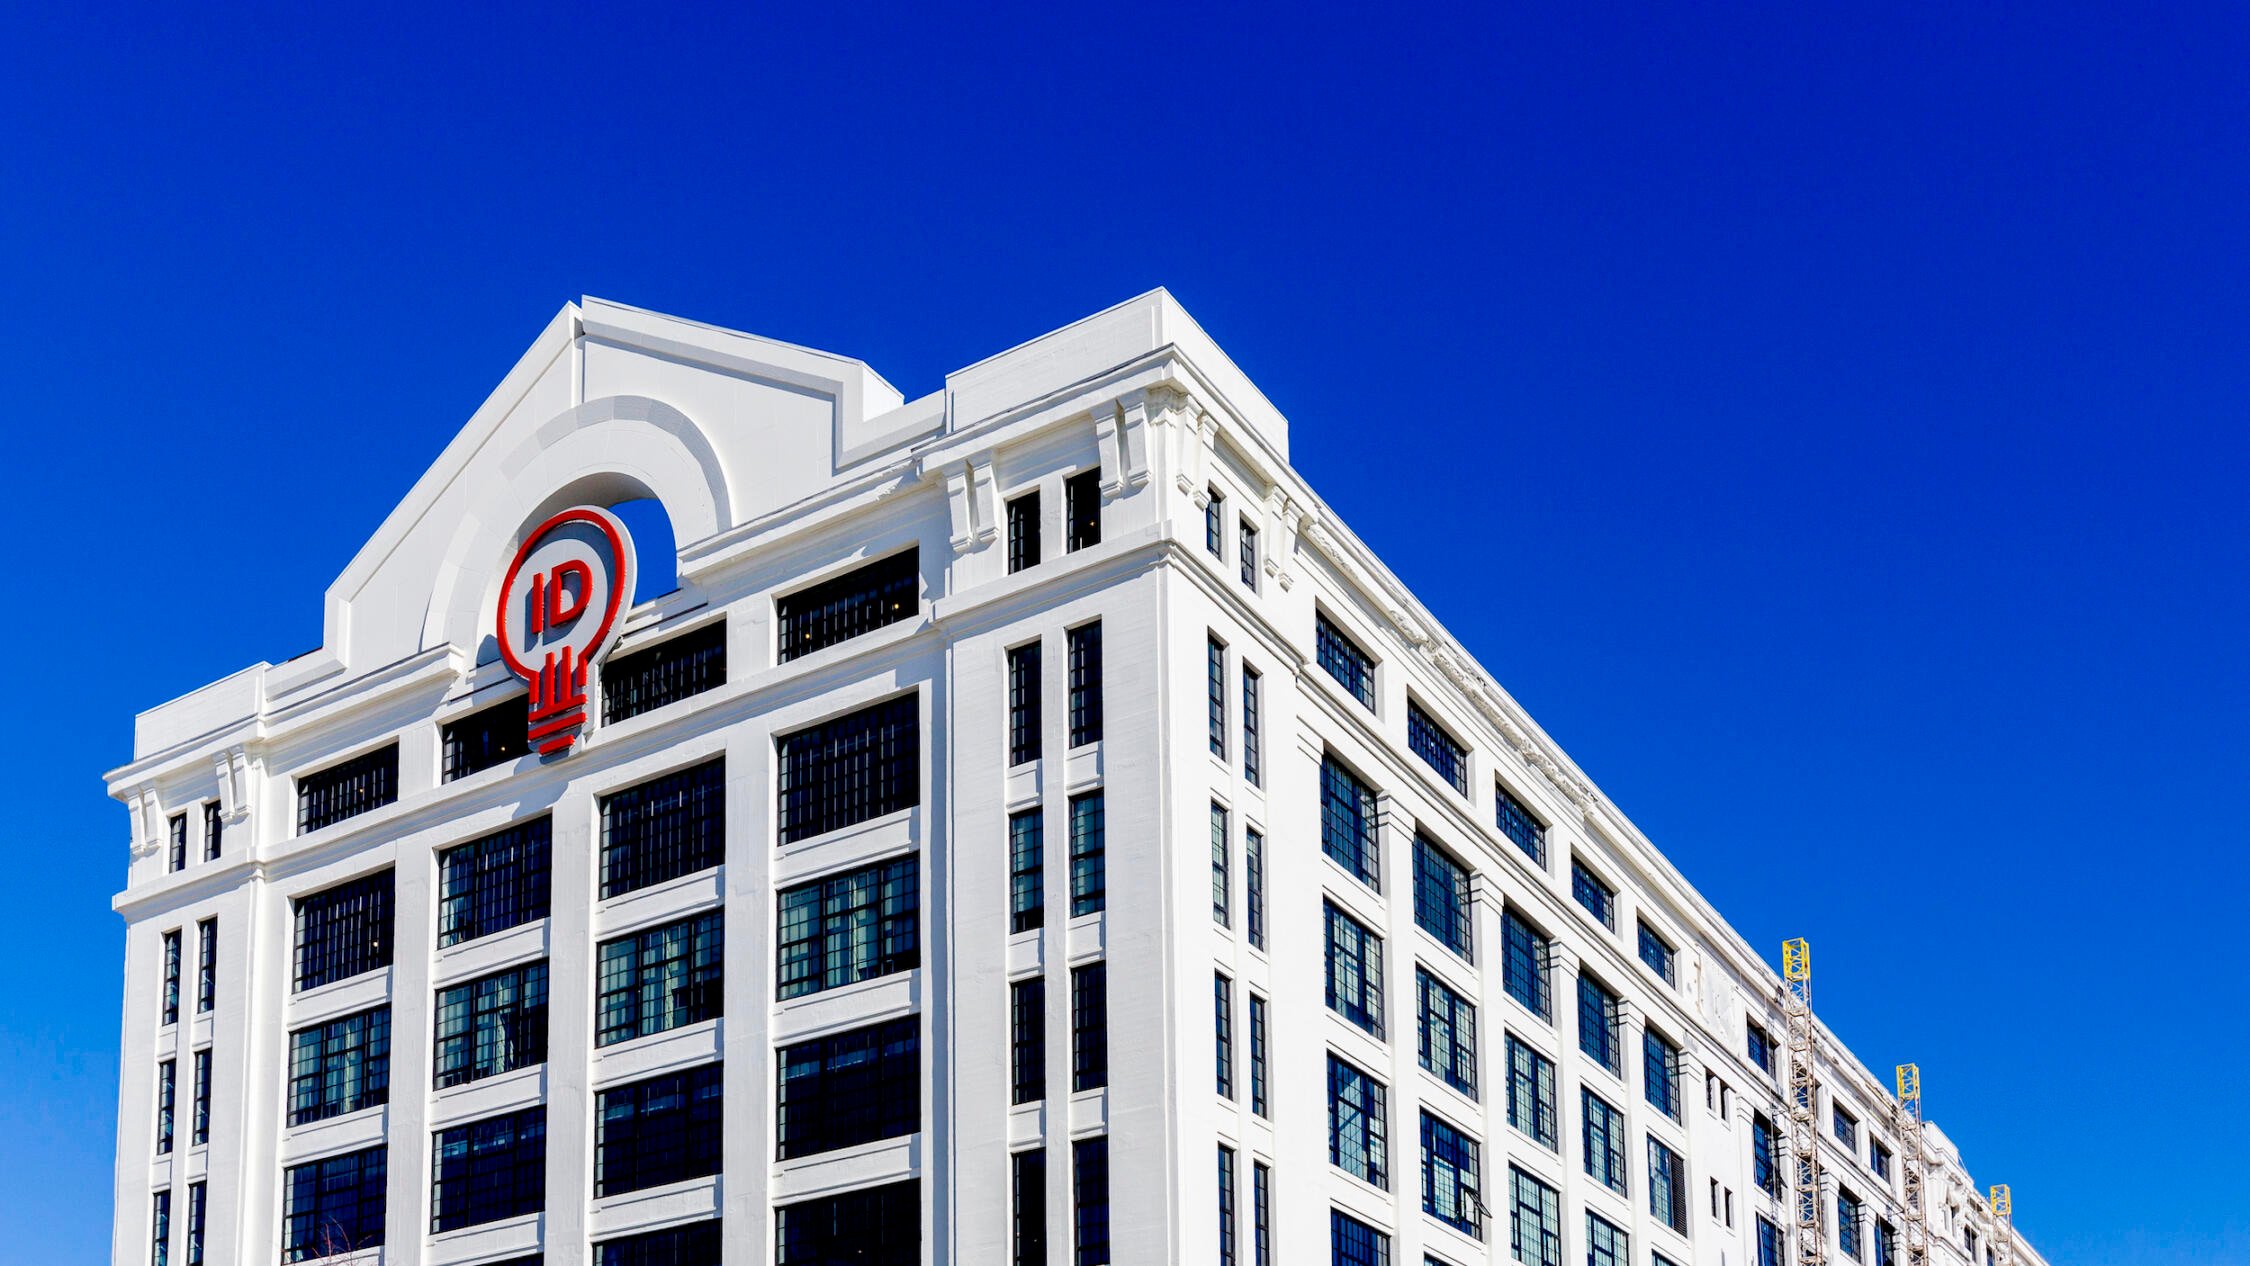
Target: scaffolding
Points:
(1804, 1129)
(1908, 1126)
(2003, 1224)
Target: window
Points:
(872, 1226)
(1254, 885)
(674, 669)
(1089, 1175)
(171, 1010)
(160, 1229)
(1251, 682)
(1261, 1214)
(1667, 1186)
(1215, 523)
(1656, 952)
(664, 828)
(1226, 1205)
(847, 770)
(1535, 1220)
(167, 1093)
(1660, 1073)
(344, 931)
(1027, 1040)
(1604, 1139)
(1089, 1026)
(1437, 747)
(1023, 704)
(841, 608)
(1221, 899)
(854, 926)
(1849, 1225)
(1524, 966)
(1879, 1159)
(495, 883)
(1258, 1041)
(491, 1025)
(696, 1244)
(1606, 1243)
(1765, 1154)
(1248, 551)
(1598, 1022)
(1222, 1032)
(1450, 1186)
(1357, 1125)
(1531, 1093)
(660, 979)
(1352, 1242)
(1347, 822)
(1761, 1047)
(1087, 878)
(1441, 896)
(177, 853)
(1599, 898)
(1447, 1024)
(1518, 823)
(1082, 508)
(1846, 1126)
(206, 965)
(1215, 683)
(1341, 658)
(1085, 652)
(214, 831)
(1769, 1243)
(347, 789)
(1886, 1244)
(1028, 1181)
(332, 1205)
(195, 1223)
(661, 1130)
(487, 737)
(340, 1066)
(1355, 970)
(1023, 532)
(489, 1170)
(1027, 881)
(850, 1088)
(199, 1121)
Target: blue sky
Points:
(1830, 424)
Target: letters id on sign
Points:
(562, 605)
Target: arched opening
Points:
(654, 549)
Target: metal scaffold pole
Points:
(1909, 1127)
(1804, 1130)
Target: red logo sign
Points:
(561, 607)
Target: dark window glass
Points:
(1023, 532)
(1765, 1154)
(1846, 1127)
(1250, 722)
(1027, 867)
(696, 1244)
(1254, 885)
(1660, 1073)
(1518, 823)
(492, 1025)
(1358, 1127)
(199, 1123)
(1089, 1026)
(1226, 1205)
(673, 669)
(850, 927)
(872, 1226)
(1598, 1022)
(1603, 1136)
(177, 828)
(214, 831)
(1656, 952)
(347, 789)
(660, 979)
(1599, 898)
(1023, 704)
(1340, 657)
(664, 828)
(495, 883)
(1028, 1180)
(1221, 897)
(1082, 508)
(160, 1230)
(487, 737)
(1667, 1187)
(1886, 1243)
(1215, 675)
(1606, 1243)
(488, 1170)
(850, 1088)
(332, 1205)
(861, 600)
(1769, 1244)
(1088, 870)
(167, 1094)
(1451, 1187)
(1437, 747)
(1524, 966)
(340, 1066)
(1258, 1040)
(1027, 1044)
(1085, 684)
(1089, 1177)
(206, 965)
(847, 770)
(1761, 1047)
(1222, 1032)
(1441, 896)
(1447, 1032)
(1247, 536)
(662, 1130)
(1261, 1215)
(1535, 1220)
(171, 1011)
(1531, 1094)
(344, 931)
(1347, 822)
(1352, 1242)
(1850, 1224)
(196, 1211)
(1355, 970)
(1215, 524)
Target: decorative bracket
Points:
(233, 769)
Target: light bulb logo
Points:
(561, 608)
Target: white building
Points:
(853, 926)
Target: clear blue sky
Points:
(1830, 425)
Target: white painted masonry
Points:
(779, 466)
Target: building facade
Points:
(1028, 828)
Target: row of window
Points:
(1082, 519)
(176, 837)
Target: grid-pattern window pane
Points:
(1437, 747)
(847, 770)
(199, 1119)
(1451, 1186)
(1023, 704)
(1358, 1127)
(1089, 1026)
(1441, 897)
(197, 1209)
(1347, 821)
(1667, 1186)
(1247, 541)
(1447, 1026)
(1085, 652)
(674, 669)
(491, 1025)
(1259, 1037)
(850, 1088)
(1886, 1244)
(1340, 657)
(662, 1130)
(1023, 532)
(487, 737)
(660, 979)
(1088, 869)
(340, 1066)
(1352, 1242)
(206, 965)
(1598, 897)
(870, 1226)
(1027, 871)
(1261, 1214)
(1603, 1135)
(1222, 899)
(171, 1011)
(1226, 1206)
(1215, 523)
(1656, 952)
(176, 858)
(1215, 689)
(167, 1096)
(1027, 1040)
(1251, 682)
(347, 789)
(1222, 1032)
(1765, 1154)
(1769, 1243)
(1531, 1093)
(160, 1229)
(344, 931)
(664, 828)
(1879, 1159)
(1516, 821)
(1598, 1023)
(1355, 970)
(1027, 1180)
(1846, 1126)
(214, 831)
(1524, 965)
(489, 1170)
(1761, 1047)
(1254, 885)
(332, 1205)
(1606, 1243)
(855, 926)
(696, 1244)
(861, 600)
(1082, 510)
(495, 883)
(1535, 1220)
(1850, 1224)
(1089, 1180)
(1660, 1073)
